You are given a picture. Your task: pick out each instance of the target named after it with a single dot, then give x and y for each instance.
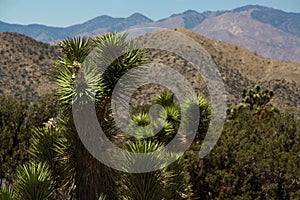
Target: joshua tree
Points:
(93, 178)
(62, 168)
(255, 100)
(173, 181)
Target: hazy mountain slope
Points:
(25, 64)
(36, 31)
(241, 29)
(94, 26)
(269, 32)
(105, 24)
(287, 22)
(188, 19)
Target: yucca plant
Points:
(145, 126)
(75, 49)
(6, 193)
(55, 147)
(165, 99)
(89, 175)
(171, 182)
(197, 102)
(116, 57)
(143, 186)
(34, 181)
(80, 82)
(141, 119)
(102, 197)
(87, 76)
(42, 145)
(257, 101)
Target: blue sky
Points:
(69, 12)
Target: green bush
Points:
(256, 157)
(17, 119)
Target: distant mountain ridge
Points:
(269, 32)
(287, 22)
(94, 26)
(242, 29)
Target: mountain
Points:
(266, 31)
(188, 19)
(105, 24)
(26, 64)
(94, 26)
(38, 32)
(287, 22)
(240, 28)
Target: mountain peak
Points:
(187, 12)
(138, 15)
(250, 7)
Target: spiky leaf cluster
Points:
(33, 181)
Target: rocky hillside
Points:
(281, 76)
(25, 64)
(239, 68)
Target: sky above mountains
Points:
(68, 12)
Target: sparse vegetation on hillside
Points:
(25, 65)
(238, 67)
(242, 69)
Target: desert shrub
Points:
(17, 118)
(256, 157)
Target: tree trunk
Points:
(92, 177)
